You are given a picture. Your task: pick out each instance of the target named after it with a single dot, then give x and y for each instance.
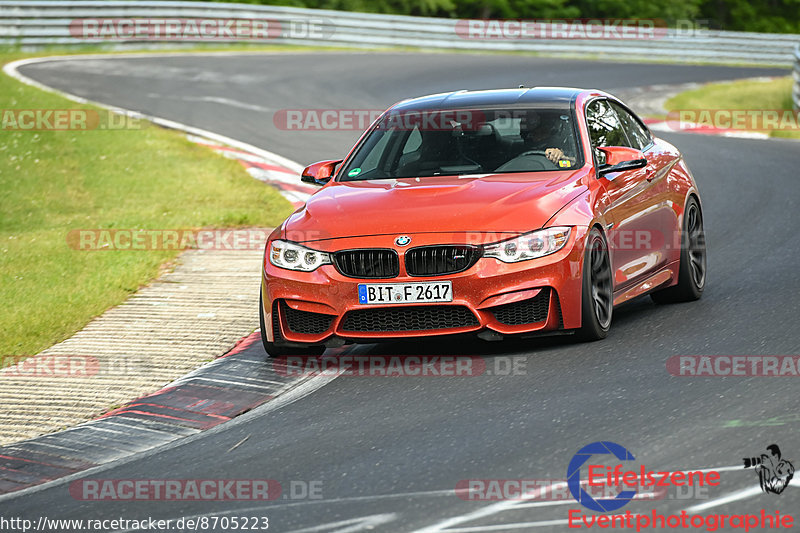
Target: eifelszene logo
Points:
(574, 476)
(619, 477)
(774, 473)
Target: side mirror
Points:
(320, 172)
(620, 158)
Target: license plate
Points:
(405, 293)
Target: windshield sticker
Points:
(564, 163)
(354, 172)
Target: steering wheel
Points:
(534, 152)
(542, 162)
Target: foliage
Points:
(781, 16)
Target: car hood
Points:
(448, 204)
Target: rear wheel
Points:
(692, 270)
(275, 349)
(597, 301)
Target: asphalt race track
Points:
(388, 453)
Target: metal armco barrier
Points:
(32, 24)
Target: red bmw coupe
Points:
(526, 211)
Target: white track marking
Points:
(350, 499)
(351, 525)
(226, 382)
(506, 527)
(572, 501)
(447, 525)
(728, 498)
(722, 469)
(364, 523)
(298, 392)
(268, 506)
(484, 512)
(262, 174)
(229, 102)
(215, 100)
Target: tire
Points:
(692, 269)
(597, 296)
(276, 349)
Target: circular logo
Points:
(574, 477)
(402, 240)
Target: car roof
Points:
(523, 97)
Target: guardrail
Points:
(37, 23)
(796, 76)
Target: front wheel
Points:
(597, 296)
(692, 270)
(276, 349)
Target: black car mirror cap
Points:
(633, 164)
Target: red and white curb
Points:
(662, 125)
(271, 172)
(199, 401)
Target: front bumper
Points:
(538, 295)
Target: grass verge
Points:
(52, 182)
(767, 94)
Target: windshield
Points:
(473, 141)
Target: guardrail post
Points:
(796, 76)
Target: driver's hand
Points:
(554, 154)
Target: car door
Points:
(629, 205)
(660, 219)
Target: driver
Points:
(542, 133)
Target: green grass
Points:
(54, 181)
(746, 94)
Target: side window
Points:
(638, 135)
(605, 128)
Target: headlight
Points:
(292, 256)
(529, 246)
